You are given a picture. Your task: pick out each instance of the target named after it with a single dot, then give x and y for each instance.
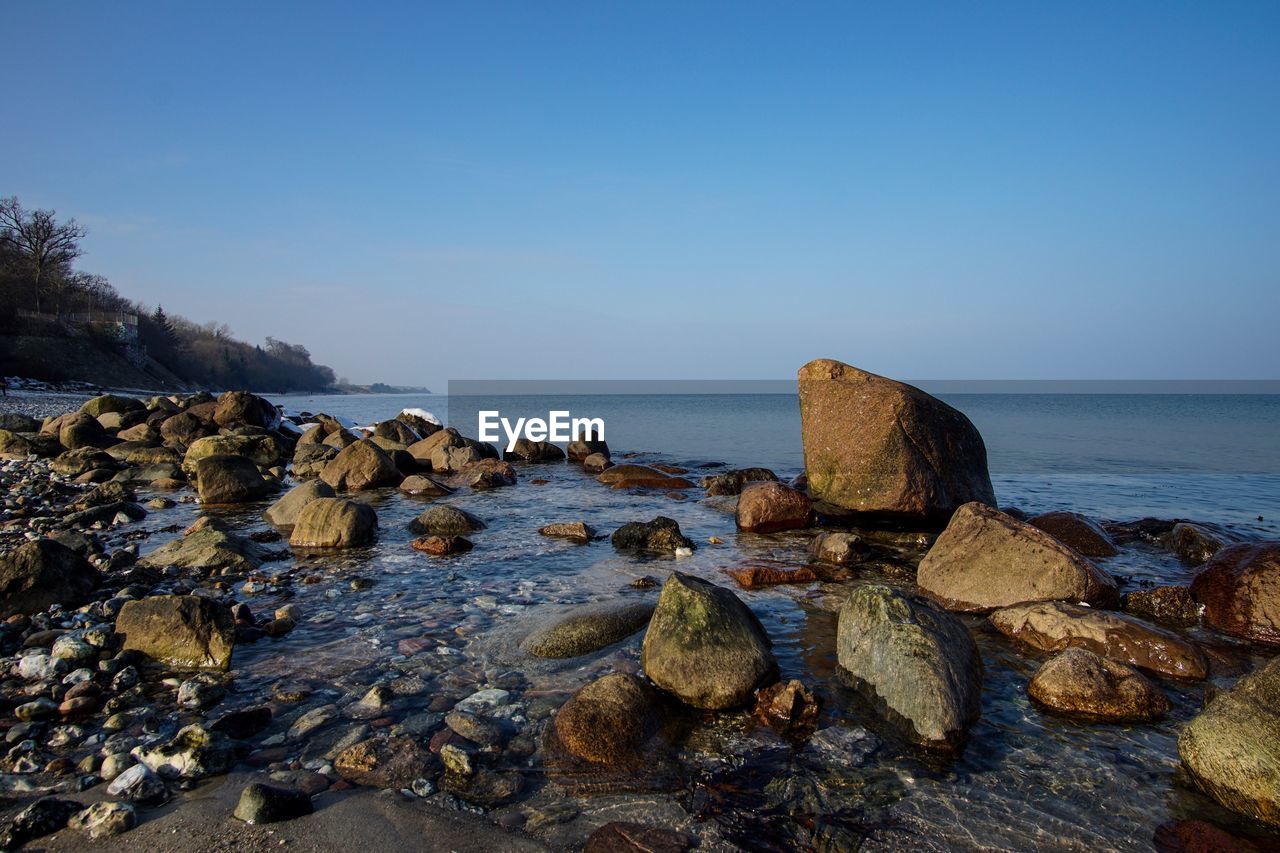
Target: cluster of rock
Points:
(93, 635)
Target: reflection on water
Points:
(1025, 781)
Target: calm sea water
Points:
(1026, 781)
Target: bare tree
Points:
(42, 245)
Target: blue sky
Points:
(419, 192)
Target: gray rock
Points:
(586, 629)
(918, 661)
(105, 819)
(1232, 750)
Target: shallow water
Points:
(1026, 780)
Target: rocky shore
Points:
(139, 538)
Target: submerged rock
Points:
(1080, 683)
(334, 523)
(1240, 590)
(755, 577)
(661, 535)
(705, 646)
(919, 661)
(624, 837)
(1076, 532)
(422, 486)
(206, 549)
(873, 445)
(641, 476)
(790, 708)
(587, 629)
(181, 630)
(575, 530)
(772, 507)
(840, 548)
(1052, 626)
(440, 546)
(1232, 749)
(41, 573)
(1195, 544)
(733, 482)
(986, 559)
(534, 451)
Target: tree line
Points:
(41, 289)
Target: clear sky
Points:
(419, 192)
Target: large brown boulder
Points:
(181, 630)
(182, 429)
(768, 507)
(1074, 530)
(359, 466)
(1052, 626)
(873, 445)
(81, 431)
(207, 549)
(334, 523)
(1083, 684)
(266, 451)
(705, 646)
(1232, 750)
(227, 479)
(396, 430)
(1196, 543)
(986, 559)
(240, 408)
(1240, 590)
(41, 573)
(285, 512)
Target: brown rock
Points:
(181, 630)
(1052, 626)
(422, 486)
(334, 523)
(1076, 532)
(1080, 683)
(1169, 604)
(359, 466)
(769, 507)
(873, 445)
(630, 476)
(755, 577)
(240, 408)
(385, 762)
(986, 559)
(621, 837)
(790, 707)
(575, 530)
(439, 546)
(227, 479)
(1195, 544)
(1240, 590)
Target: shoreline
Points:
(422, 696)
